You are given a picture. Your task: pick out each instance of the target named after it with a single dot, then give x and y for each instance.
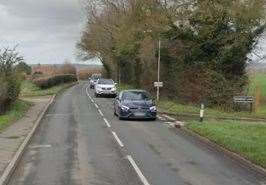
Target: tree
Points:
(204, 44)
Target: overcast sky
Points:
(46, 31)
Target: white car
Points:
(105, 87)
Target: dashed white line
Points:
(107, 123)
(87, 92)
(96, 105)
(136, 168)
(131, 160)
(101, 113)
(117, 139)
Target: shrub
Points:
(51, 81)
(9, 78)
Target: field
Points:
(17, 111)
(258, 80)
(247, 139)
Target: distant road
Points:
(81, 142)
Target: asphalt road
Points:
(81, 142)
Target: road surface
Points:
(81, 142)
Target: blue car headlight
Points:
(153, 109)
(124, 108)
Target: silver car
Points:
(105, 87)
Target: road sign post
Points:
(158, 72)
(158, 85)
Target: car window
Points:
(106, 82)
(136, 95)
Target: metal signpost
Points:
(158, 84)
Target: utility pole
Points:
(158, 72)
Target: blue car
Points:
(135, 104)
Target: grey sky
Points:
(45, 30)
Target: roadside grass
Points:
(16, 111)
(247, 139)
(175, 108)
(30, 89)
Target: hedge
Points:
(51, 81)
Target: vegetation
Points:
(28, 89)
(204, 44)
(247, 139)
(84, 74)
(9, 78)
(22, 67)
(16, 111)
(47, 82)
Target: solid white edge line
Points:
(136, 168)
(101, 113)
(117, 139)
(107, 123)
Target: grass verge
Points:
(17, 110)
(177, 108)
(247, 139)
(30, 89)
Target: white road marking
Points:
(107, 123)
(168, 123)
(117, 139)
(88, 94)
(180, 123)
(168, 117)
(96, 105)
(136, 168)
(41, 146)
(159, 117)
(100, 112)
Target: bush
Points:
(9, 78)
(48, 82)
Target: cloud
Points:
(46, 31)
